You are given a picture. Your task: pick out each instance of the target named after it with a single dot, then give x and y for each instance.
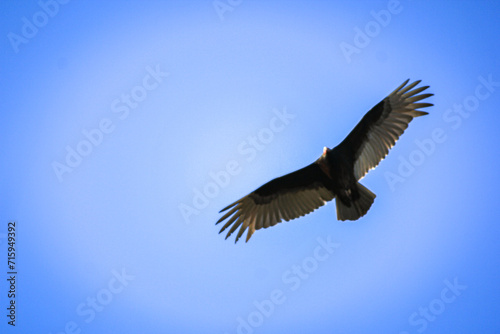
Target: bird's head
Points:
(325, 151)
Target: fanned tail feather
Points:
(358, 208)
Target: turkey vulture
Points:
(336, 172)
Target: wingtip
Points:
(418, 113)
(249, 235)
(228, 234)
(400, 86)
(403, 84)
(231, 205)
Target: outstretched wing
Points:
(284, 198)
(369, 142)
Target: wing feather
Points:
(410, 86)
(294, 200)
(237, 223)
(275, 215)
(259, 224)
(285, 206)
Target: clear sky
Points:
(127, 126)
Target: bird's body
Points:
(335, 174)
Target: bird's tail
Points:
(357, 208)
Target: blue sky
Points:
(127, 126)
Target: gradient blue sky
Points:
(177, 91)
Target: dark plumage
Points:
(336, 172)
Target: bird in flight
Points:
(336, 173)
